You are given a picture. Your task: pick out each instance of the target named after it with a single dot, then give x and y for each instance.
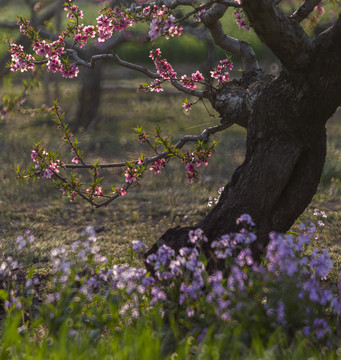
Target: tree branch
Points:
(229, 3)
(207, 5)
(204, 136)
(304, 10)
(4, 25)
(172, 4)
(282, 34)
(241, 48)
(131, 66)
(50, 12)
(328, 66)
(135, 67)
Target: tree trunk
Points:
(285, 153)
(285, 119)
(89, 98)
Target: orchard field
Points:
(162, 201)
(73, 285)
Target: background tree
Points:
(284, 115)
(46, 17)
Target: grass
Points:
(160, 202)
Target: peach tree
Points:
(284, 115)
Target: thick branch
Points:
(173, 4)
(327, 65)
(283, 35)
(229, 3)
(4, 25)
(238, 47)
(50, 12)
(304, 10)
(236, 99)
(206, 6)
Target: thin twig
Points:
(304, 10)
(135, 67)
(204, 136)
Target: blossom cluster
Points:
(195, 159)
(161, 21)
(46, 164)
(20, 60)
(52, 53)
(158, 165)
(83, 34)
(218, 73)
(166, 72)
(163, 24)
(192, 160)
(196, 17)
(164, 68)
(56, 57)
(190, 83)
(74, 12)
(110, 21)
(131, 174)
(95, 191)
(240, 20)
(143, 138)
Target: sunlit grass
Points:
(160, 202)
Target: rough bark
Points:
(285, 118)
(284, 35)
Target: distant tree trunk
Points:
(89, 97)
(90, 93)
(211, 59)
(285, 118)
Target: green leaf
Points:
(30, 273)
(3, 294)
(203, 258)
